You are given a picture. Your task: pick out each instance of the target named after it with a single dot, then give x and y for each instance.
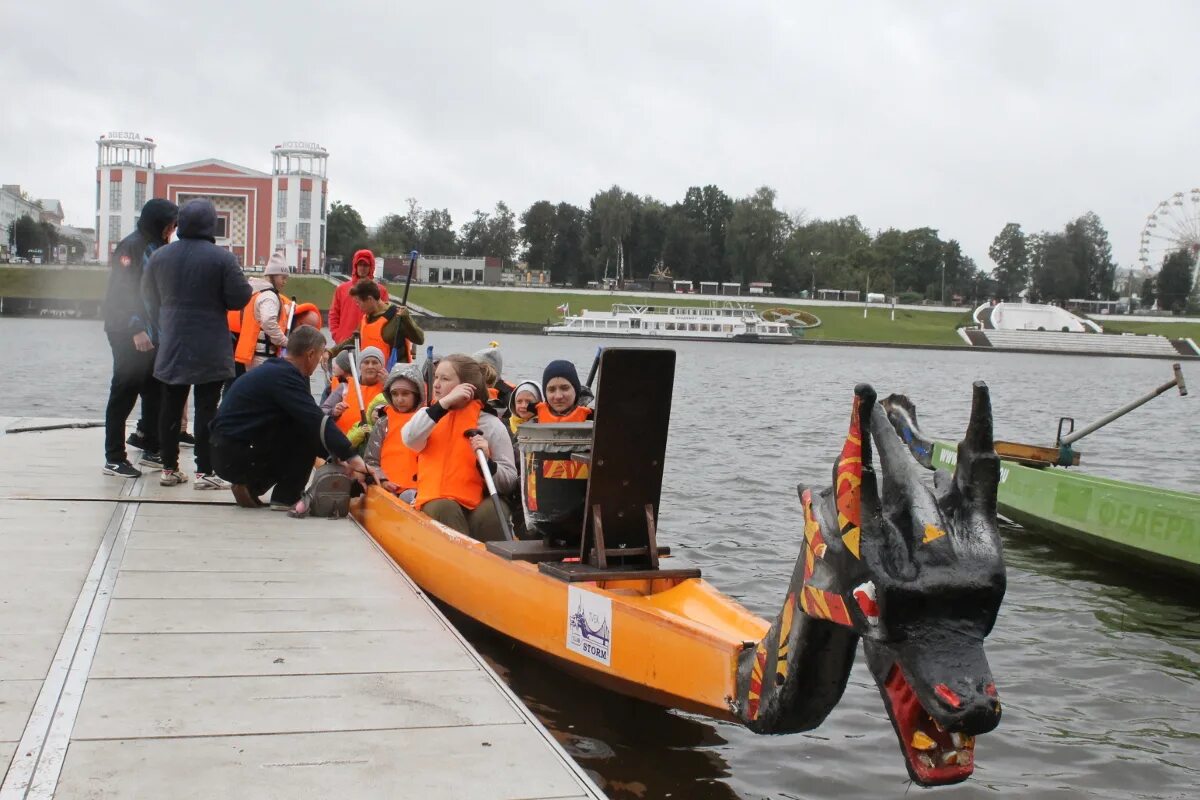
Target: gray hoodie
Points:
(410, 372)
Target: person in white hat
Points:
(269, 310)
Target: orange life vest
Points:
(578, 414)
(448, 467)
(493, 393)
(350, 417)
(303, 308)
(248, 344)
(371, 335)
(398, 460)
(234, 319)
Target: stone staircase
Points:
(1079, 343)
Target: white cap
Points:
(276, 265)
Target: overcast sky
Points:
(907, 114)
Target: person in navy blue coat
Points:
(189, 285)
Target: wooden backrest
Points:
(629, 444)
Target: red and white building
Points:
(258, 213)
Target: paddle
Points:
(362, 408)
(429, 376)
(595, 366)
(412, 263)
(586, 395)
(287, 327)
(505, 525)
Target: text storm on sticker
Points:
(589, 625)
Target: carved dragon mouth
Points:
(934, 756)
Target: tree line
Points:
(1076, 262)
(30, 238)
(705, 236)
(710, 236)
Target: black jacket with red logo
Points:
(124, 311)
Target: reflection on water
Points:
(1098, 666)
(633, 749)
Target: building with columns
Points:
(258, 213)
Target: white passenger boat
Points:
(725, 322)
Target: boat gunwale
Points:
(651, 612)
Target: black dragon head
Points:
(918, 573)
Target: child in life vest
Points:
(498, 389)
(522, 405)
(450, 487)
(342, 402)
(339, 369)
(392, 462)
(560, 385)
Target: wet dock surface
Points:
(161, 642)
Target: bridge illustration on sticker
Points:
(589, 625)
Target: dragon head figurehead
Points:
(917, 573)
(920, 574)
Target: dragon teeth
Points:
(926, 760)
(921, 741)
(950, 757)
(957, 739)
(964, 758)
(961, 740)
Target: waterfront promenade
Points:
(163, 643)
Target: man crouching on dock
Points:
(269, 429)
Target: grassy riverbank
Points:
(53, 282)
(90, 284)
(845, 323)
(1174, 330)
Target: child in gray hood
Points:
(392, 462)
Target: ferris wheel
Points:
(1173, 225)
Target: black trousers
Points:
(282, 458)
(174, 399)
(133, 375)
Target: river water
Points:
(1098, 665)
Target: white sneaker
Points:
(210, 481)
(172, 477)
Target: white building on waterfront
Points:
(14, 204)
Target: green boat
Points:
(1132, 522)
(1156, 526)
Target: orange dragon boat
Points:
(915, 573)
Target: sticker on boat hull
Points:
(589, 625)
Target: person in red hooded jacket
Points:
(344, 313)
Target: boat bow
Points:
(918, 574)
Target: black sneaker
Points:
(186, 439)
(137, 439)
(121, 469)
(149, 459)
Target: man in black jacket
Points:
(269, 429)
(127, 325)
(189, 287)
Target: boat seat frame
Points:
(629, 443)
(576, 572)
(536, 551)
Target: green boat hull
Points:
(1112, 518)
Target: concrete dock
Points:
(161, 642)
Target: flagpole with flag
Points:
(564, 309)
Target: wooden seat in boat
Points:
(537, 550)
(576, 572)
